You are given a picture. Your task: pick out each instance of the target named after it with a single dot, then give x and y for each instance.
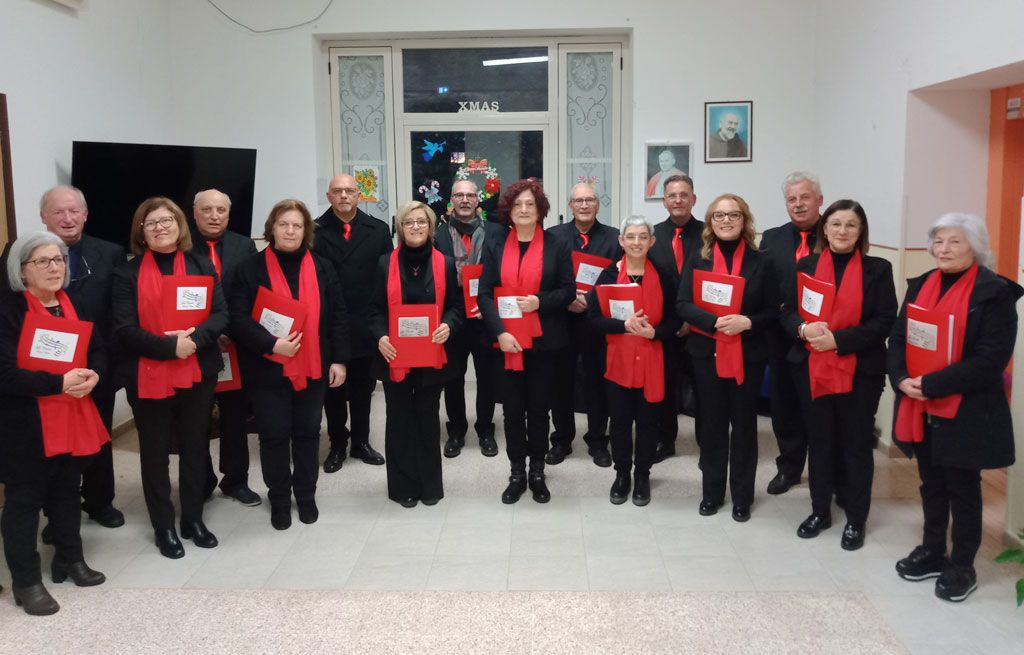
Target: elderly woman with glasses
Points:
(48, 368)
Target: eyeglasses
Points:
(416, 222)
(721, 217)
(44, 262)
(164, 222)
(348, 191)
(584, 201)
(463, 196)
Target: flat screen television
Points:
(116, 177)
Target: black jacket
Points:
(670, 320)
(355, 263)
(981, 434)
(779, 245)
(493, 233)
(232, 249)
(661, 252)
(604, 242)
(253, 339)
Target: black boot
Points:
(79, 572)
(537, 483)
(641, 489)
(620, 489)
(516, 485)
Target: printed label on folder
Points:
(716, 293)
(191, 298)
(508, 307)
(474, 287)
(54, 346)
(278, 325)
(922, 335)
(588, 274)
(413, 326)
(621, 309)
(812, 301)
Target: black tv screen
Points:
(116, 177)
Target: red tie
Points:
(802, 251)
(215, 258)
(468, 242)
(586, 240)
(347, 229)
(677, 249)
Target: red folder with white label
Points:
(186, 300)
(717, 293)
(409, 329)
(230, 376)
(619, 301)
(929, 340)
(279, 315)
(470, 287)
(586, 269)
(814, 298)
(54, 345)
(524, 327)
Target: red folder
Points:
(814, 298)
(717, 293)
(586, 268)
(615, 300)
(279, 315)
(51, 344)
(524, 328)
(929, 340)
(415, 350)
(230, 377)
(186, 300)
(470, 286)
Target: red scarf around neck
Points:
(830, 372)
(729, 348)
(956, 300)
(159, 378)
(70, 425)
(524, 275)
(633, 361)
(395, 295)
(306, 364)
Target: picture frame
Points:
(664, 158)
(728, 131)
(8, 225)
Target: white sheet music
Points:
(53, 346)
(191, 298)
(621, 309)
(508, 307)
(812, 301)
(716, 293)
(413, 326)
(277, 324)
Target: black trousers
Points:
(485, 363)
(183, 418)
(98, 476)
(721, 402)
(947, 490)
(840, 444)
(351, 400)
(787, 422)
(234, 442)
(412, 446)
(676, 362)
(627, 406)
(55, 491)
(288, 422)
(527, 401)
(587, 347)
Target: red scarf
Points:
(69, 425)
(633, 361)
(395, 295)
(524, 275)
(910, 415)
(159, 378)
(306, 364)
(729, 348)
(830, 372)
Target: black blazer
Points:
(779, 245)
(604, 242)
(661, 252)
(136, 342)
(867, 338)
(416, 291)
(354, 264)
(232, 248)
(760, 304)
(980, 436)
(557, 289)
(493, 233)
(670, 320)
(253, 339)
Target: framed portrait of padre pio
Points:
(728, 131)
(665, 159)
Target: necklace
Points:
(415, 270)
(635, 279)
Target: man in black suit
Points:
(785, 246)
(463, 237)
(226, 250)
(587, 235)
(677, 240)
(353, 241)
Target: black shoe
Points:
(244, 495)
(956, 583)
(516, 487)
(813, 525)
(408, 503)
(488, 446)
(168, 543)
(741, 513)
(453, 446)
(366, 453)
(539, 487)
(663, 452)
(922, 563)
(36, 600)
(79, 572)
(708, 508)
(335, 458)
(557, 454)
(430, 502)
(281, 516)
(46, 536)
(642, 489)
(620, 489)
(782, 483)
(108, 517)
(197, 532)
(853, 536)
(601, 456)
(308, 512)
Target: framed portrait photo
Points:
(728, 131)
(665, 159)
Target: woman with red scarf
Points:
(951, 412)
(415, 273)
(525, 287)
(50, 424)
(729, 296)
(839, 363)
(168, 312)
(287, 369)
(635, 370)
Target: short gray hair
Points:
(195, 200)
(797, 177)
(21, 252)
(974, 229)
(634, 221)
(62, 187)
